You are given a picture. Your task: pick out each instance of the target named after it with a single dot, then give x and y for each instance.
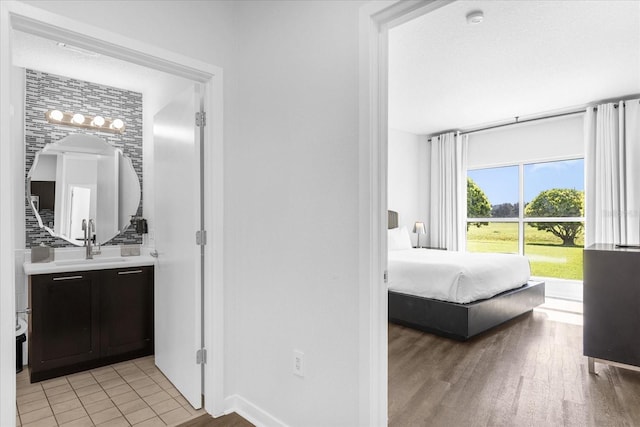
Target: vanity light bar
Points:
(100, 123)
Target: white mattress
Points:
(460, 277)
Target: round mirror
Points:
(78, 178)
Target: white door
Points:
(178, 274)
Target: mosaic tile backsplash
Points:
(48, 91)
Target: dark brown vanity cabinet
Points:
(64, 327)
(86, 319)
(126, 311)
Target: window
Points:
(535, 209)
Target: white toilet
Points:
(21, 337)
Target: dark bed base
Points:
(463, 321)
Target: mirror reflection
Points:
(78, 178)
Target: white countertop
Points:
(75, 261)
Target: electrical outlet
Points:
(298, 363)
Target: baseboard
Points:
(251, 412)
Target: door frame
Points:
(376, 18)
(26, 18)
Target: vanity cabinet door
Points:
(64, 328)
(126, 307)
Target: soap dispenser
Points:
(140, 224)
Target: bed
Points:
(456, 294)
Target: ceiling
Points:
(527, 58)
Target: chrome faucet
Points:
(88, 229)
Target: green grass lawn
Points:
(545, 251)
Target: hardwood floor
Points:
(528, 372)
(230, 420)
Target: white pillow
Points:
(398, 239)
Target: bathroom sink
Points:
(90, 261)
(101, 262)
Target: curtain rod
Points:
(517, 121)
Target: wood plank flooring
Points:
(528, 372)
(230, 420)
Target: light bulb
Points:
(98, 121)
(78, 119)
(56, 115)
(117, 124)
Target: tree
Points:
(558, 202)
(478, 205)
(505, 210)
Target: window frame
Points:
(521, 220)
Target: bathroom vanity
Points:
(90, 306)
(89, 313)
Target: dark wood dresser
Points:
(612, 306)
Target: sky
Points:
(501, 184)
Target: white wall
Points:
(198, 29)
(291, 211)
(534, 141)
(18, 90)
(17, 129)
(404, 188)
(291, 188)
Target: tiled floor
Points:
(125, 394)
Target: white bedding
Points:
(460, 277)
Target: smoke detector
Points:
(475, 17)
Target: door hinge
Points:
(201, 356)
(201, 237)
(386, 276)
(201, 119)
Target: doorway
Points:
(377, 102)
(375, 21)
(18, 17)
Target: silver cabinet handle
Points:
(130, 272)
(67, 278)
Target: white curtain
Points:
(447, 191)
(612, 170)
